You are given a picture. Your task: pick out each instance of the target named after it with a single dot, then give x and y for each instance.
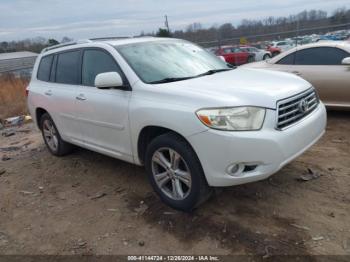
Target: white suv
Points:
(194, 122)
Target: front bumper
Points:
(268, 149)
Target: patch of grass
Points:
(12, 96)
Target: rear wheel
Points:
(175, 172)
(52, 138)
(266, 56)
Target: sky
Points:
(81, 19)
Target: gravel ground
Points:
(87, 203)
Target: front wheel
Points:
(175, 172)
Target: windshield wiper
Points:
(174, 79)
(169, 79)
(213, 71)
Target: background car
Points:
(235, 56)
(283, 45)
(260, 54)
(268, 47)
(326, 65)
(330, 38)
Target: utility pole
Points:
(167, 23)
(298, 29)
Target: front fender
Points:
(177, 118)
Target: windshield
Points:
(169, 60)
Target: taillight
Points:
(27, 92)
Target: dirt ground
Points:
(87, 203)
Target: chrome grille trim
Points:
(290, 110)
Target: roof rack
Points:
(109, 38)
(85, 41)
(66, 44)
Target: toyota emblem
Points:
(303, 106)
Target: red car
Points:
(273, 50)
(234, 55)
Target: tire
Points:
(184, 186)
(266, 56)
(56, 145)
(250, 59)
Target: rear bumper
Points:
(268, 149)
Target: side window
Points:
(96, 62)
(45, 68)
(67, 71)
(227, 50)
(53, 69)
(287, 60)
(320, 56)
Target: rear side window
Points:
(320, 56)
(287, 60)
(67, 69)
(45, 68)
(96, 62)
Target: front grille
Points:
(295, 108)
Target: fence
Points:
(276, 35)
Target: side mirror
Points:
(346, 61)
(108, 80)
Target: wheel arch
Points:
(150, 132)
(39, 112)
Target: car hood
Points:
(242, 86)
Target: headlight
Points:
(233, 119)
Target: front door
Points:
(103, 113)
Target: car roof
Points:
(133, 40)
(340, 44)
(112, 41)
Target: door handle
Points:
(48, 93)
(297, 73)
(80, 97)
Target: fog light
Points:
(235, 169)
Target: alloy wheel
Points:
(171, 173)
(50, 135)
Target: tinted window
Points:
(320, 56)
(68, 68)
(287, 60)
(53, 69)
(96, 62)
(45, 68)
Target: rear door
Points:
(229, 56)
(240, 56)
(65, 77)
(103, 113)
